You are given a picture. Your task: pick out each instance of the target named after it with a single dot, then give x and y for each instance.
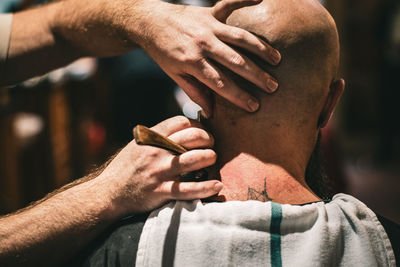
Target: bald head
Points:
(306, 35)
(283, 134)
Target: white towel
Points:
(343, 232)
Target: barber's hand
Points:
(142, 178)
(186, 41)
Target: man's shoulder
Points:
(391, 228)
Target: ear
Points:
(335, 92)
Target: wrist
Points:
(139, 20)
(149, 19)
(107, 191)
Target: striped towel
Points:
(343, 232)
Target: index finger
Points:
(175, 124)
(250, 42)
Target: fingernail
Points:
(253, 105)
(276, 57)
(218, 186)
(272, 85)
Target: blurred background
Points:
(58, 127)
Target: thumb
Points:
(224, 8)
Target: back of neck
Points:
(258, 161)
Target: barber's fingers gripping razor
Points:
(145, 136)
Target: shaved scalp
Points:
(306, 35)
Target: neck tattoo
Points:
(253, 194)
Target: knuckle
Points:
(155, 174)
(237, 60)
(219, 84)
(182, 121)
(202, 40)
(212, 156)
(208, 156)
(151, 152)
(242, 97)
(263, 48)
(261, 75)
(196, 61)
(164, 188)
(198, 134)
(239, 35)
(185, 189)
(188, 58)
(204, 138)
(209, 74)
(154, 171)
(190, 161)
(200, 63)
(202, 188)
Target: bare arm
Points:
(185, 41)
(52, 231)
(138, 179)
(51, 36)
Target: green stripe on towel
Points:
(276, 219)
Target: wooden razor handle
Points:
(145, 136)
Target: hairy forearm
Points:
(50, 231)
(51, 36)
(101, 28)
(138, 179)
